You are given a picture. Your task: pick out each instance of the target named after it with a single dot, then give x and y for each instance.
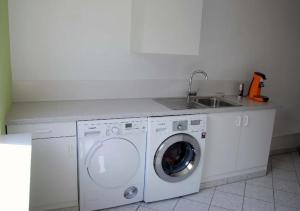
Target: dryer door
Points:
(177, 157)
(113, 162)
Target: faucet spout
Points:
(190, 92)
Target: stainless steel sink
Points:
(195, 103)
(213, 102)
(178, 103)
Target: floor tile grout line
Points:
(231, 193)
(222, 208)
(244, 195)
(274, 205)
(176, 203)
(138, 207)
(297, 174)
(150, 208)
(222, 192)
(212, 197)
(249, 197)
(198, 202)
(256, 185)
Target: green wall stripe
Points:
(5, 72)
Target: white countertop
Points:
(61, 111)
(15, 162)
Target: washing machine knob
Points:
(130, 192)
(115, 130)
(179, 127)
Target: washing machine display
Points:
(177, 157)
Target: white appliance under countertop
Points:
(15, 163)
(111, 162)
(174, 156)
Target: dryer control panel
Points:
(112, 127)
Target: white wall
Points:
(70, 49)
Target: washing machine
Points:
(111, 162)
(174, 156)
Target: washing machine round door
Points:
(177, 157)
(113, 162)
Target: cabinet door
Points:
(256, 136)
(223, 132)
(53, 173)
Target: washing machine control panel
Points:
(109, 128)
(180, 124)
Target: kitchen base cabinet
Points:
(238, 143)
(255, 141)
(53, 173)
(53, 164)
(221, 145)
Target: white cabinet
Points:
(255, 139)
(54, 175)
(221, 145)
(237, 143)
(166, 26)
(53, 164)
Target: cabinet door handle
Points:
(70, 150)
(238, 121)
(246, 121)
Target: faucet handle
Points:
(192, 93)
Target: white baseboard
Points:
(285, 142)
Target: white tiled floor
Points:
(260, 193)
(278, 191)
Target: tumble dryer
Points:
(174, 156)
(111, 162)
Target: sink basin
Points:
(178, 103)
(213, 102)
(196, 103)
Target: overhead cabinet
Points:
(166, 26)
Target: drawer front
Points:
(45, 130)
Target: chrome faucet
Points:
(190, 92)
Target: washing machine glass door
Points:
(177, 157)
(112, 163)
